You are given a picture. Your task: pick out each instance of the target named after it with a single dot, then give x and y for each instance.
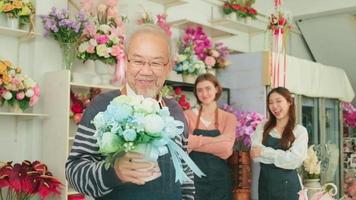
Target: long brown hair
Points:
(287, 135)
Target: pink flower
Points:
(117, 50)
(101, 39)
(112, 13)
(36, 90)
(20, 95)
(214, 53)
(111, 3)
(210, 61)
(90, 49)
(90, 30)
(33, 100)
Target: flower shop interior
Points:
(50, 71)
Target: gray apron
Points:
(276, 183)
(217, 184)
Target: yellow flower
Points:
(6, 78)
(6, 63)
(3, 68)
(7, 8)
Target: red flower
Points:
(178, 91)
(252, 11)
(48, 185)
(77, 107)
(282, 21)
(5, 171)
(40, 167)
(226, 5)
(236, 7)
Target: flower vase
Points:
(150, 155)
(3, 21)
(15, 108)
(69, 50)
(104, 71)
(189, 78)
(13, 22)
(313, 186)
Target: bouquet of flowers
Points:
(279, 24)
(246, 123)
(197, 39)
(216, 56)
(63, 29)
(16, 87)
(104, 38)
(11, 8)
(188, 63)
(242, 8)
(139, 124)
(311, 165)
(349, 112)
(79, 102)
(22, 181)
(176, 93)
(160, 21)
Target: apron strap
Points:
(216, 118)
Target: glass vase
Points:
(69, 51)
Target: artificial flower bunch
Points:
(279, 23)
(216, 56)
(80, 101)
(242, 8)
(63, 29)
(177, 94)
(350, 188)
(22, 181)
(349, 114)
(160, 21)
(246, 123)
(198, 39)
(188, 63)
(103, 38)
(16, 87)
(311, 165)
(135, 123)
(18, 8)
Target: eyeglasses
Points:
(155, 65)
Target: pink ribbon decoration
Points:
(119, 76)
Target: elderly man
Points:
(149, 61)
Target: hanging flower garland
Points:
(279, 25)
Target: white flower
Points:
(181, 57)
(153, 124)
(29, 93)
(102, 51)
(7, 95)
(83, 47)
(104, 27)
(29, 83)
(93, 42)
(114, 39)
(148, 105)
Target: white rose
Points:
(102, 50)
(29, 93)
(29, 83)
(83, 47)
(7, 95)
(149, 105)
(104, 27)
(153, 124)
(114, 39)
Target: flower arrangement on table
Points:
(16, 88)
(349, 114)
(242, 8)
(246, 124)
(311, 165)
(139, 124)
(80, 101)
(22, 181)
(160, 21)
(66, 31)
(279, 23)
(216, 56)
(103, 39)
(177, 94)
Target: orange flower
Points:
(6, 78)
(7, 8)
(17, 4)
(3, 68)
(6, 63)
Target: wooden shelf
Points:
(23, 115)
(245, 25)
(169, 3)
(16, 32)
(104, 87)
(211, 31)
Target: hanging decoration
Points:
(279, 25)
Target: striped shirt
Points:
(85, 170)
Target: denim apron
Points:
(162, 188)
(277, 183)
(217, 184)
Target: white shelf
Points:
(211, 31)
(16, 32)
(105, 87)
(245, 25)
(169, 3)
(23, 115)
